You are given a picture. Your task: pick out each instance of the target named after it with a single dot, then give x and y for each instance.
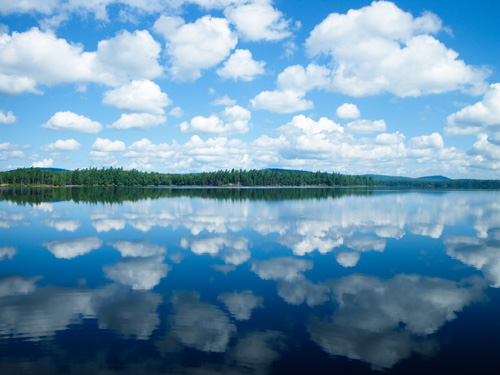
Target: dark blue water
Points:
(277, 281)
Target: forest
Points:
(119, 177)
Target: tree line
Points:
(119, 177)
(439, 184)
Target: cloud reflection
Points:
(383, 321)
(71, 248)
(7, 252)
(138, 273)
(199, 325)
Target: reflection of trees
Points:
(121, 194)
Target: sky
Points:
(407, 88)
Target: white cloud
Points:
(366, 126)
(292, 85)
(15, 85)
(176, 112)
(35, 57)
(258, 20)
(44, 7)
(240, 65)
(288, 101)
(71, 248)
(128, 56)
(45, 163)
(8, 118)
(233, 120)
(106, 145)
(69, 121)
(484, 116)
(347, 111)
(380, 48)
(435, 140)
(196, 46)
(62, 145)
(139, 121)
(138, 96)
(390, 139)
(241, 305)
(224, 100)
(298, 79)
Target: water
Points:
(249, 281)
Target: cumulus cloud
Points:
(224, 100)
(45, 163)
(69, 121)
(8, 118)
(35, 57)
(288, 101)
(197, 46)
(484, 116)
(380, 48)
(240, 65)
(292, 85)
(44, 7)
(138, 96)
(128, 56)
(62, 145)
(347, 111)
(106, 145)
(366, 126)
(233, 120)
(435, 140)
(71, 248)
(258, 20)
(176, 112)
(139, 121)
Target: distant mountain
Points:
(434, 178)
(383, 177)
(403, 178)
(55, 170)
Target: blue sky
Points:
(401, 88)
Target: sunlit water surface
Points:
(249, 281)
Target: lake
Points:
(249, 281)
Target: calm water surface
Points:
(249, 281)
